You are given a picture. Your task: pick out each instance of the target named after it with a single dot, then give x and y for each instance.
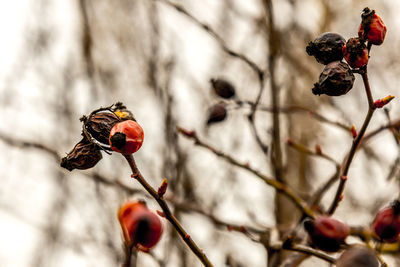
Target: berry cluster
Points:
(115, 128)
(225, 90)
(329, 49)
(337, 78)
(111, 128)
(329, 234)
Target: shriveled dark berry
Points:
(84, 155)
(356, 53)
(326, 233)
(336, 79)
(223, 88)
(326, 48)
(216, 113)
(358, 256)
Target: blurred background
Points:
(62, 59)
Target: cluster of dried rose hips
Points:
(115, 128)
(110, 128)
(328, 234)
(329, 49)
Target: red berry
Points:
(356, 53)
(386, 225)
(126, 137)
(327, 233)
(141, 227)
(372, 27)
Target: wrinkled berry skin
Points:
(100, 124)
(217, 113)
(336, 79)
(126, 137)
(372, 28)
(355, 53)
(358, 256)
(326, 48)
(386, 225)
(140, 227)
(326, 233)
(223, 88)
(83, 156)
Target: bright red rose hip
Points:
(141, 227)
(372, 27)
(126, 137)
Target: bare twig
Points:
(355, 145)
(167, 212)
(302, 149)
(280, 187)
(303, 249)
(216, 36)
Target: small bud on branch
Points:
(353, 131)
(163, 188)
(382, 102)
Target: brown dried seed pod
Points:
(336, 79)
(223, 88)
(358, 256)
(217, 113)
(100, 124)
(84, 155)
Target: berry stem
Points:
(356, 142)
(130, 253)
(167, 212)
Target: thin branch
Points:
(187, 207)
(216, 36)
(355, 145)
(295, 108)
(317, 153)
(303, 249)
(96, 177)
(273, 47)
(280, 187)
(167, 212)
